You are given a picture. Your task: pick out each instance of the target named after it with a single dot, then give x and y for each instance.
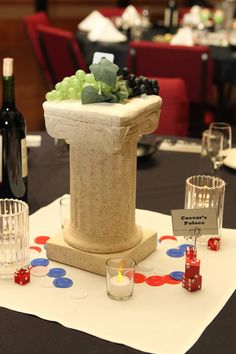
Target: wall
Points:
(78, 8)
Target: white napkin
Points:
(93, 19)
(148, 320)
(131, 16)
(180, 145)
(105, 31)
(184, 36)
(193, 17)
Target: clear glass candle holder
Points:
(120, 277)
(14, 236)
(202, 191)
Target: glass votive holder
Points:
(202, 191)
(120, 277)
(14, 236)
(64, 210)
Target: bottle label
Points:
(0, 158)
(24, 157)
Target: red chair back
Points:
(31, 22)
(61, 52)
(192, 64)
(174, 118)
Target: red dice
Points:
(22, 276)
(191, 253)
(214, 243)
(192, 280)
(192, 268)
(192, 284)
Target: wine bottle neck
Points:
(8, 92)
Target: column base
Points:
(58, 250)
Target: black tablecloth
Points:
(160, 180)
(160, 187)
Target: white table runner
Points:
(165, 319)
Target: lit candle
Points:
(120, 286)
(120, 277)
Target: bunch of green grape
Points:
(102, 84)
(71, 87)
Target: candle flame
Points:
(119, 277)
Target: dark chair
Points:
(61, 52)
(192, 64)
(31, 22)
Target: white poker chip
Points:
(39, 271)
(146, 266)
(47, 282)
(34, 253)
(168, 243)
(79, 293)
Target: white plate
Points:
(230, 160)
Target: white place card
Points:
(97, 56)
(194, 222)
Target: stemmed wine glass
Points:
(219, 141)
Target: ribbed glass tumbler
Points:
(14, 236)
(202, 191)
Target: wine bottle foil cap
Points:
(7, 66)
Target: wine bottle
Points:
(171, 16)
(13, 149)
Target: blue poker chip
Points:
(175, 252)
(39, 262)
(177, 275)
(56, 272)
(62, 282)
(184, 246)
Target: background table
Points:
(224, 65)
(224, 58)
(160, 187)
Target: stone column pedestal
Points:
(103, 143)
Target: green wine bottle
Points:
(13, 148)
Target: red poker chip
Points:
(170, 280)
(139, 278)
(167, 237)
(41, 240)
(36, 248)
(155, 280)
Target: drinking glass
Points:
(14, 236)
(64, 210)
(219, 143)
(202, 191)
(206, 165)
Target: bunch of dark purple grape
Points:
(140, 84)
